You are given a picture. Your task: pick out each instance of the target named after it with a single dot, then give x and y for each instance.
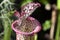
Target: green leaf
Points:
(25, 2)
(43, 1)
(46, 25)
(58, 4)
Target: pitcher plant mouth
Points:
(36, 30)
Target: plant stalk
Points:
(58, 27)
(53, 22)
(58, 21)
(7, 28)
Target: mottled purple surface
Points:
(37, 28)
